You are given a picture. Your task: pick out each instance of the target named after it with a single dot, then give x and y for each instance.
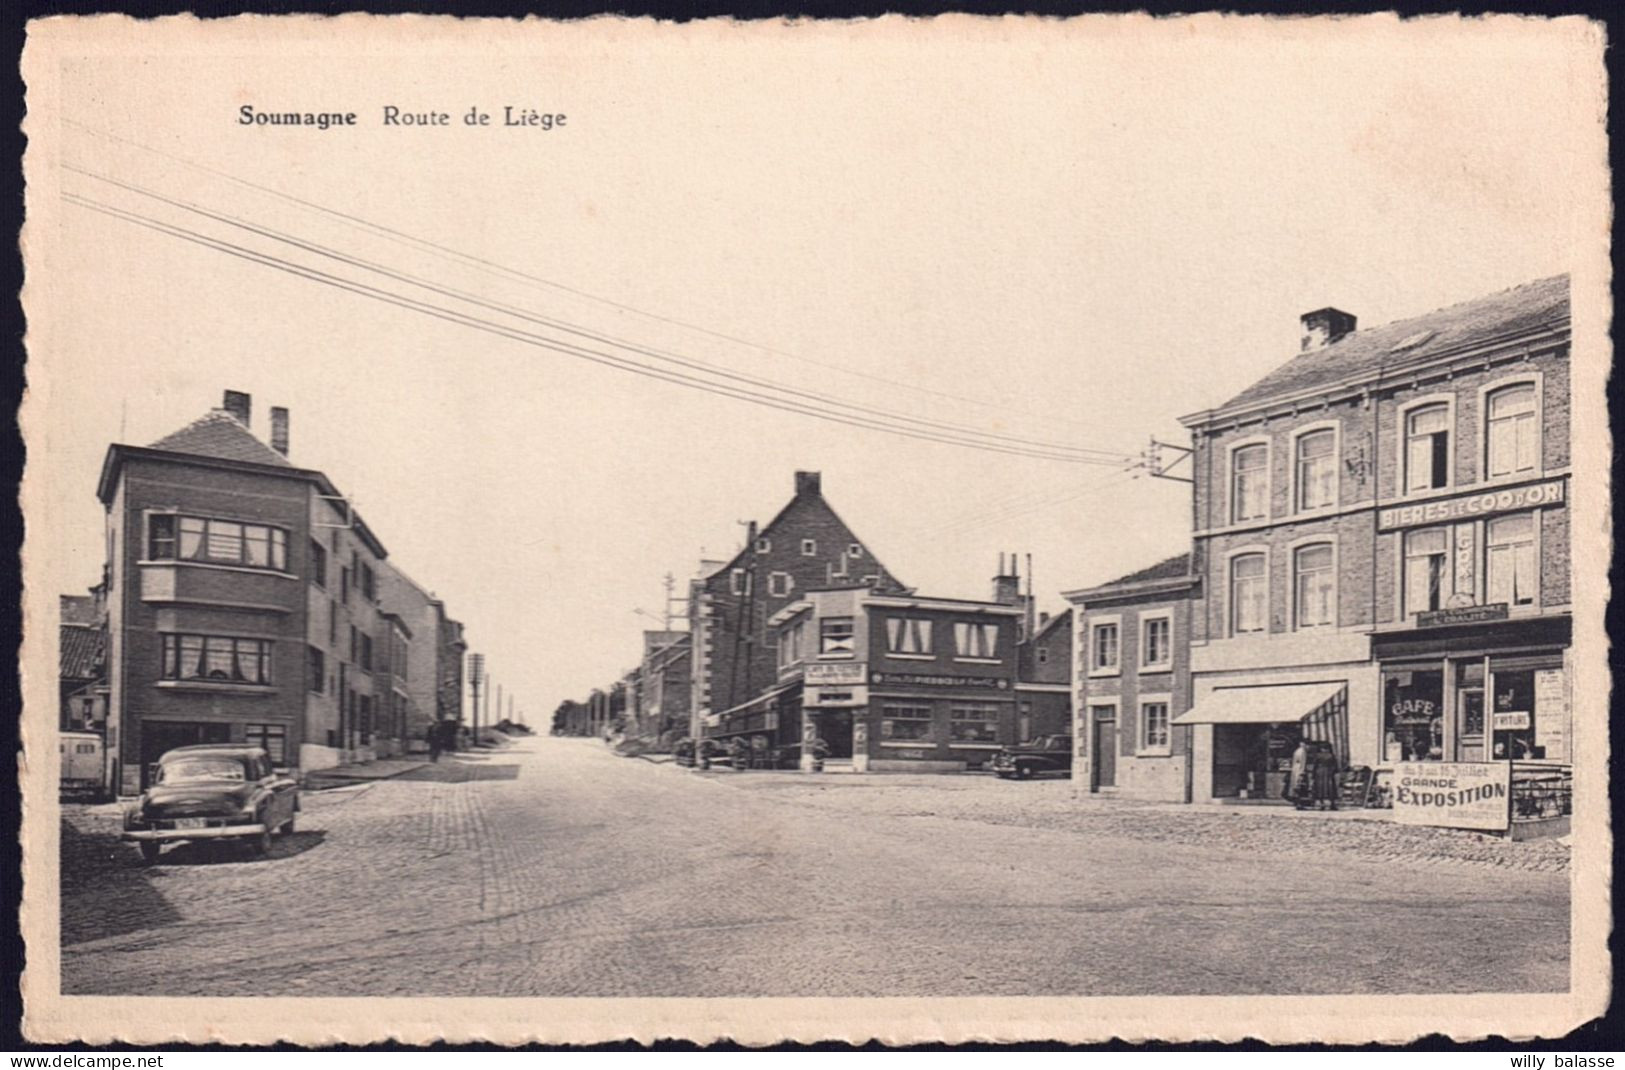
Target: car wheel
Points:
(150, 850)
(1025, 772)
(262, 843)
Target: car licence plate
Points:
(190, 823)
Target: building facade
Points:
(1044, 679)
(807, 546)
(243, 603)
(1133, 683)
(1383, 546)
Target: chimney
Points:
(1007, 585)
(1323, 327)
(239, 405)
(279, 430)
(807, 483)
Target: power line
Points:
(491, 266)
(523, 314)
(999, 516)
(530, 338)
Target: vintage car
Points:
(1046, 754)
(702, 753)
(212, 791)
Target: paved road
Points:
(553, 868)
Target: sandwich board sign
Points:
(1463, 795)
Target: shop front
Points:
(1244, 737)
(1475, 691)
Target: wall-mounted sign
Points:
(1552, 700)
(1511, 720)
(1436, 618)
(910, 679)
(1471, 505)
(1463, 795)
(835, 672)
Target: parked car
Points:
(212, 791)
(789, 757)
(704, 752)
(1046, 754)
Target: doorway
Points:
(1105, 749)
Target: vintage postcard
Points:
(930, 530)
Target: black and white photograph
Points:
(958, 529)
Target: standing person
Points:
(431, 735)
(1325, 773)
(1298, 774)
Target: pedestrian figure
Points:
(1325, 775)
(431, 735)
(1297, 776)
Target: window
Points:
(1317, 470)
(364, 719)
(1427, 448)
(976, 640)
(214, 657)
(1427, 569)
(779, 584)
(366, 652)
(318, 564)
(1154, 726)
(273, 737)
(792, 644)
(160, 537)
(318, 670)
(1156, 642)
(191, 538)
(1511, 431)
(973, 722)
(764, 545)
(1314, 587)
(835, 637)
(1249, 588)
(344, 584)
(738, 581)
(1249, 483)
(355, 644)
(871, 580)
(1103, 648)
(1042, 654)
(369, 588)
(809, 547)
(1509, 566)
(855, 550)
(332, 623)
(905, 724)
(908, 635)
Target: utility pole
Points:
(499, 702)
(476, 676)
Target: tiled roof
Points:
(1520, 309)
(1171, 569)
(219, 434)
(81, 652)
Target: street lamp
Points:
(476, 676)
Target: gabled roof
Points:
(813, 497)
(1171, 572)
(221, 435)
(1532, 307)
(80, 652)
(1049, 626)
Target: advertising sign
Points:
(1511, 720)
(1433, 618)
(1552, 700)
(839, 672)
(1463, 795)
(911, 679)
(1471, 505)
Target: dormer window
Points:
(764, 546)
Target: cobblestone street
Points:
(553, 868)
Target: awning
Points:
(1281, 703)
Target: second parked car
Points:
(1046, 754)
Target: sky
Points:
(1070, 234)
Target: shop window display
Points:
(1413, 715)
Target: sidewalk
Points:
(360, 773)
